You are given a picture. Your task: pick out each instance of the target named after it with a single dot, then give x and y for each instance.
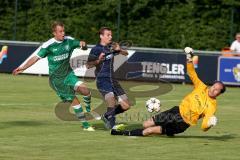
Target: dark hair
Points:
(223, 86)
(102, 29)
(55, 24)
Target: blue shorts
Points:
(107, 84)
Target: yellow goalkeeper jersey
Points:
(197, 104)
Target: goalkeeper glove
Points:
(189, 53)
(212, 121)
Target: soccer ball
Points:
(153, 105)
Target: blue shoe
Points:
(108, 123)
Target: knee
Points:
(125, 104)
(147, 131)
(82, 88)
(146, 124)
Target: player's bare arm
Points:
(96, 62)
(29, 63)
(116, 47)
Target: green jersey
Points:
(58, 54)
(61, 76)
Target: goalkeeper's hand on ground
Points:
(212, 121)
(189, 53)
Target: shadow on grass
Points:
(224, 137)
(20, 124)
(99, 125)
(218, 138)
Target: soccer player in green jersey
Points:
(62, 79)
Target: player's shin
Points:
(119, 109)
(87, 101)
(136, 132)
(80, 115)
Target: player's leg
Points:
(123, 101)
(67, 94)
(123, 104)
(149, 128)
(109, 116)
(104, 86)
(81, 88)
(154, 125)
(78, 110)
(152, 130)
(78, 86)
(139, 132)
(148, 123)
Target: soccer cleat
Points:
(107, 123)
(90, 129)
(119, 127)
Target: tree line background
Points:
(204, 25)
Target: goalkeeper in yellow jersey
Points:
(200, 103)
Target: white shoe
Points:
(90, 129)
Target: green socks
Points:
(87, 102)
(80, 115)
(85, 124)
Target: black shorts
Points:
(171, 121)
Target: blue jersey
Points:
(105, 68)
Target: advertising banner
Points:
(229, 70)
(138, 65)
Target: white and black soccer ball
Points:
(153, 105)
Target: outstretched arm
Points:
(208, 122)
(190, 68)
(29, 63)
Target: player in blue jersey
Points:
(62, 79)
(102, 57)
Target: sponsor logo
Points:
(195, 61)
(60, 57)
(236, 72)
(3, 53)
(162, 70)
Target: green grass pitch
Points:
(29, 129)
